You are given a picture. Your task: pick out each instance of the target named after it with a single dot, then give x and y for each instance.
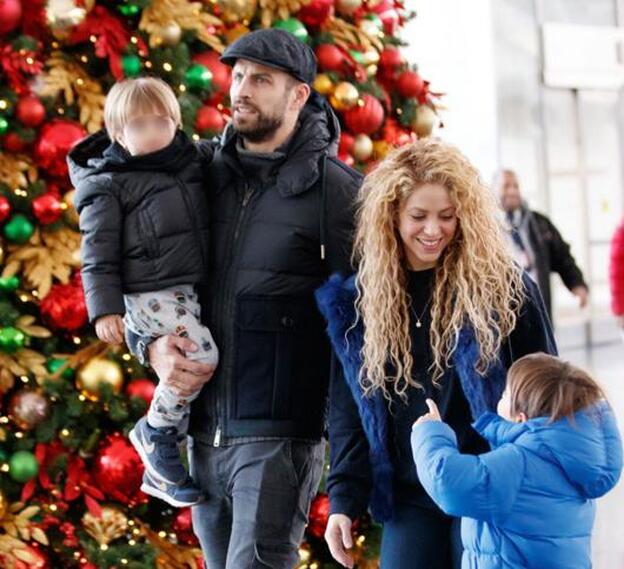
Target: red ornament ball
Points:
(409, 84)
(209, 121)
(221, 73)
(30, 111)
(55, 140)
(319, 515)
(10, 15)
(5, 208)
(118, 470)
(365, 119)
(183, 527)
(316, 13)
(346, 144)
(330, 57)
(47, 208)
(143, 388)
(390, 59)
(14, 143)
(64, 307)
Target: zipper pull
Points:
(217, 438)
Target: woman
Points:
(436, 310)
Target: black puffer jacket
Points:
(144, 219)
(265, 265)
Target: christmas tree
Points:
(69, 479)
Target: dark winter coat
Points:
(144, 219)
(362, 472)
(266, 262)
(552, 254)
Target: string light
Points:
(148, 64)
(167, 66)
(182, 88)
(3, 104)
(92, 39)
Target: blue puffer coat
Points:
(529, 503)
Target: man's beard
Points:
(262, 129)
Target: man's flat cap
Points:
(274, 48)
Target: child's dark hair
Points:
(545, 386)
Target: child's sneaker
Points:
(160, 452)
(177, 495)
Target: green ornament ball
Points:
(129, 10)
(294, 26)
(198, 76)
(23, 466)
(19, 229)
(53, 364)
(11, 340)
(9, 284)
(131, 65)
(4, 126)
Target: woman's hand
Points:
(184, 376)
(110, 329)
(433, 415)
(339, 539)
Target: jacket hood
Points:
(97, 154)
(588, 449)
(318, 133)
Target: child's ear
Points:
(521, 417)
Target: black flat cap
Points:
(274, 48)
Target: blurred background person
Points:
(537, 244)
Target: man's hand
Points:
(110, 329)
(339, 539)
(433, 415)
(582, 294)
(184, 376)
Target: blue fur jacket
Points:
(361, 469)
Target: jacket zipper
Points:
(227, 290)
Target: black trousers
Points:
(421, 538)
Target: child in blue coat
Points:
(529, 502)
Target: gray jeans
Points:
(258, 499)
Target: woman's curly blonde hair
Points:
(476, 280)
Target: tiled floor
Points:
(607, 365)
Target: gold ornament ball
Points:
(4, 505)
(424, 120)
(235, 32)
(233, 11)
(71, 215)
(348, 7)
(362, 147)
(96, 373)
(380, 149)
(171, 34)
(111, 525)
(345, 96)
(323, 84)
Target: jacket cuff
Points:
(347, 505)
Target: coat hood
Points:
(318, 133)
(587, 449)
(97, 154)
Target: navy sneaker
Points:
(177, 495)
(160, 452)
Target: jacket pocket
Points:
(276, 355)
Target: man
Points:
(281, 222)
(538, 245)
